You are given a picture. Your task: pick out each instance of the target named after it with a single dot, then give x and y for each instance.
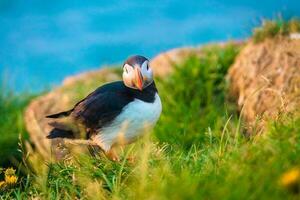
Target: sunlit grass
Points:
(242, 169)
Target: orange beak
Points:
(138, 79)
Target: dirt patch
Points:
(163, 63)
(265, 80)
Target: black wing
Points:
(102, 106)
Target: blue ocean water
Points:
(41, 42)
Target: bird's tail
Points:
(58, 133)
(61, 114)
(67, 127)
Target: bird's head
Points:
(137, 73)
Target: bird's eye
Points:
(126, 70)
(147, 67)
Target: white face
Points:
(137, 77)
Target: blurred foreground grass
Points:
(196, 151)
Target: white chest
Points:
(132, 121)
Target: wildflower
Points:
(11, 180)
(10, 177)
(291, 179)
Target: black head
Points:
(136, 72)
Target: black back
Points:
(103, 105)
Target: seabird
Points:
(117, 112)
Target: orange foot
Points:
(112, 155)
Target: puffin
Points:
(116, 113)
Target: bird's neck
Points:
(147, 94)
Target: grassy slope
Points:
(195, 152)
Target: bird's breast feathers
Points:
(132, 121)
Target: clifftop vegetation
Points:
(275, 28)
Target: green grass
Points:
(194, 98)
(196, 151)
(11, 124)
(275, 27)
